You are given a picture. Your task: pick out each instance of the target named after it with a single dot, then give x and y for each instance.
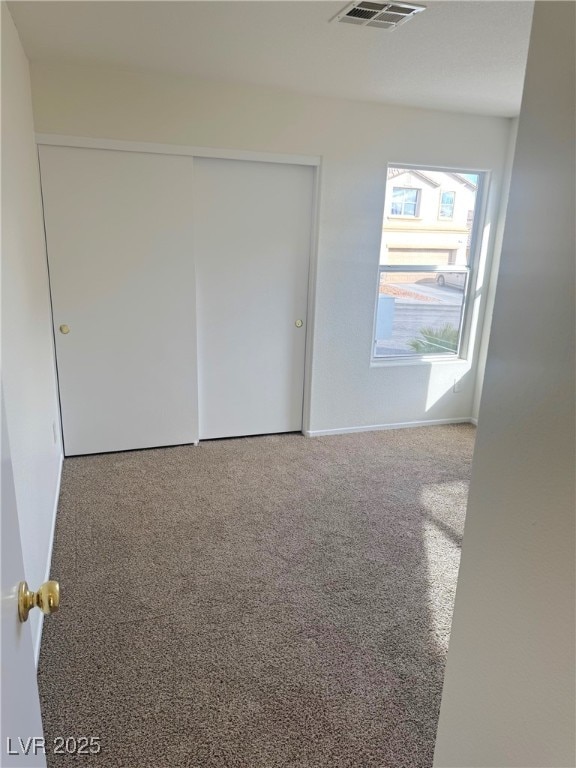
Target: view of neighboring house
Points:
(428, 217)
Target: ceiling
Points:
(457, 55)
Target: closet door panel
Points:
(119, 241)
(252, 236)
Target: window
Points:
(424, 273)
(447, 200)
(404, 201)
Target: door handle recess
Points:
(47, 599)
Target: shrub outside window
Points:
(424, 272)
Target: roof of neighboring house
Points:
(462, 179)
(395, 172)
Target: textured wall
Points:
(356, 141)
(509, 690)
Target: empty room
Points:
(288, 384)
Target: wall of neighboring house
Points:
(28, 372)
(356, 141)
(509, 694)
(439, 240)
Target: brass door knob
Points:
(47, 599)
(298, 323)
(64, 329)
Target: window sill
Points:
(391, 362)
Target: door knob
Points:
(47, 599)
(64, 329)
(298, 323)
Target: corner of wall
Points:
(493, 276)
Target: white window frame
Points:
(470, 270)
(442, 193)
(406, 215)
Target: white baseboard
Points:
(378, 427)
(474, 421)
(38, 639)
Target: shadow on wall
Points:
(271, 601)
(445, 393)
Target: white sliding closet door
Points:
(119, 238)
(252, 236)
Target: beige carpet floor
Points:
(258, 602)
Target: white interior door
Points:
(252, 236)
(20, 720)
(119, 239)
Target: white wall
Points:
(491, 278)
(28, 371)
(356, 141)
(509, 690)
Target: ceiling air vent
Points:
(382, 15)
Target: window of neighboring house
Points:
(405, 201)
(424, 274)
(447, 200)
